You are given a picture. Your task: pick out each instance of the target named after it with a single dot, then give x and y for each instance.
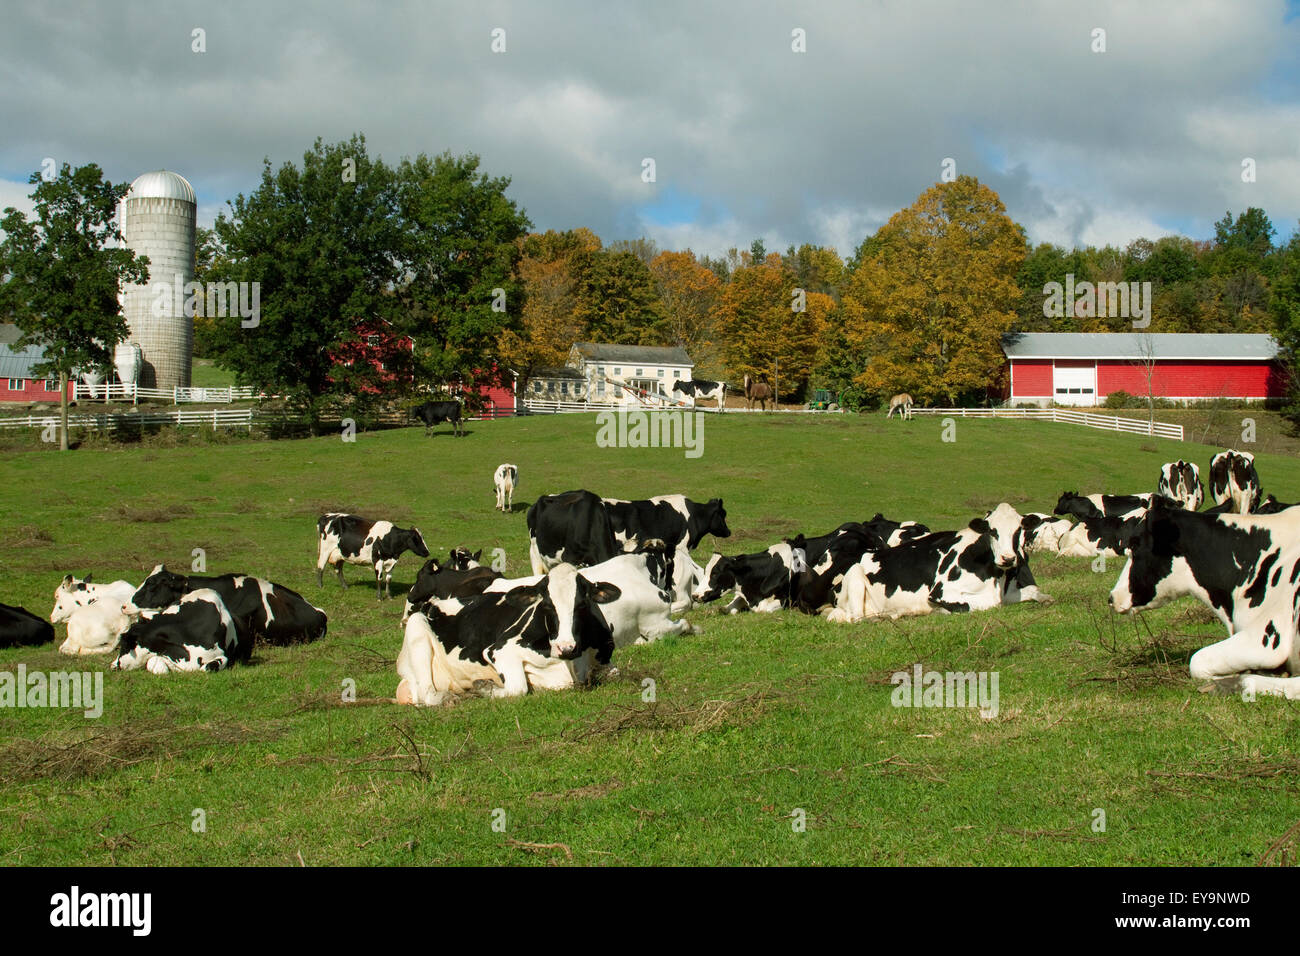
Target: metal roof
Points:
(1228, 347)
(19, 364)
(632, 354)
(161, 184)
(561, 372)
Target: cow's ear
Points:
(66, 582)
(1030, 522)
(87, 578)
(478, 554)
(602, 592)
(979, 525)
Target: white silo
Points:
(158, 221)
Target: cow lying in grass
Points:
(975, 568)
(1246, 568)
(73, 593)
(195, 634)
(19, 627)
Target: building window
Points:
(372, 340)
(17, 385)
(661, 373)
(564, 388)
(537, 386)
(51, 385)
(677, 373)
(618, 371)
(640, 372)
(600, 387)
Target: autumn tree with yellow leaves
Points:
(934, 293)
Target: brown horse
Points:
(758, 391)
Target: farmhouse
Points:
(18, 381)
(645, 371)
(1069, 368)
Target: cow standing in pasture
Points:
(431, 413)
(351, 539)
(261, 610)
(504, 481)
(698, 388)
(1234, 481)
(19, 627)
(1246, 568)
(1181, 481)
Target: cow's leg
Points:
(338, 566)
(535, 558)
(379, 580)
(1251, 685)
(510, 665)
(322, 559)
(1262, 647)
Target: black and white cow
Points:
(1181, 481)
(1109, 506)
(1246, 568)
(431, 413)
(697, 388)
(1046, 533)
(762, 582)
(260, 609)
(581, 528)
(1233, 479)
(976, 568)
(828, 557)
(1271, 506)
(19, 627)
(436, 581)
(504, 481)
(195, 634)
(352, 539)
(521, 638)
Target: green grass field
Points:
(755, 718)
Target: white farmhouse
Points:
(629, 374)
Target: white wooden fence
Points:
(1109, 422)
(215, 417)
(132, 393)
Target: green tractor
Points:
(821, 400)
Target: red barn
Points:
(374, 342)
(1082, 368)
(18, 381)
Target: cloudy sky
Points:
(749, 138)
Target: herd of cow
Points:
(610, 572)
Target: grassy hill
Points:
(755, 718)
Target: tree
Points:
(324, 241)
(461, 290)
(688, 292)
(60, 282)
(937, 294)
(617, 300)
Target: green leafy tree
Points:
(60, 281)
(618, 301)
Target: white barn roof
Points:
(1231, 347)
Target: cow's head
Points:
(413, 541)
(1045, 533)
(461, 559)
(718, 578)
(715, 519)
(1073, 503)
(70, 595)
(571, 610)
(131, 654)
(1004, 528)
(162, 588)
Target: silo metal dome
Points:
(162, 184)
(158, 220)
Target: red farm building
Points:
(1068, 368)
(18, 380)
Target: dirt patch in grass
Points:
(694, 718)
(27, 536)
(592, 791)
(56, 757)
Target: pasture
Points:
(754, 718)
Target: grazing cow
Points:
(431, 413)
(580, 528)
(504, 481)
(436, 581)
(976, 568)
(1233, 479)
(761, 582)
(195, 634)
(352, 539)
(95, 628)
(19, 627)
(260, 609)
(73, 593)
(1181, 481)
(530, 636)
(902, 402)
(1246, 568)
(698, 388)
